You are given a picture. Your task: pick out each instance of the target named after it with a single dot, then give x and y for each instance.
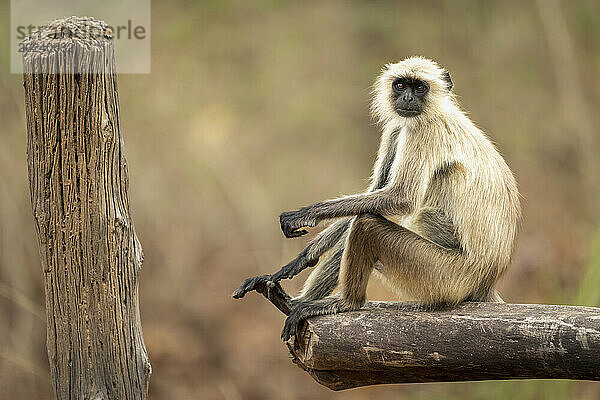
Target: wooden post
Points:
(90, 254)
(389, 342)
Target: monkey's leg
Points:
(324, 279)
(428, 272)
(432, 274)
(357, 261)
(276, 295)
(307, 258)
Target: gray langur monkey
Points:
(438, 223)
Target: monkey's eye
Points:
(420, 88)
(398, 86)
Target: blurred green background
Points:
(253, 108)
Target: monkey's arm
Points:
(327, 238)
(383, 201)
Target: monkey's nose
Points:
(408, 99)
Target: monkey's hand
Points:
(294, 267)
(292, 221)
(258, 283)
(263, 283)
(271, 290)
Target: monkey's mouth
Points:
(404, 112)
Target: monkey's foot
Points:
(304, 310)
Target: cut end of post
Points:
(66, 35)
(70, 29)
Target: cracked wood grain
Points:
(90, 254)
(387, 342)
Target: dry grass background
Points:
(253, 108)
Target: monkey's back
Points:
(487, 207)
(471, 203)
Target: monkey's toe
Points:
(296, 316)
(289, 328)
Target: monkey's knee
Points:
(367, 238)
(364, 227)
(368, 219)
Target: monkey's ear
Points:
(448, 80)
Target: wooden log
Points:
(89, 251)
(387, 342)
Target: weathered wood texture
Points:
(402, 343)
(90, 254)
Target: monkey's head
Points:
(414, 87)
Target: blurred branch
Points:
(26, 365)
(388, 342)
(576, 112)
(22, 300)
(588, 287)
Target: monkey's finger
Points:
(247, 286)
(239, 292)
(269, 291)
(288, 230)
(283, 221)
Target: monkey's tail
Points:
(493, 297)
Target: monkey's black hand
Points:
(271, 290)
(264, 283)
(258, 283)
(292, 221)
(294, 267)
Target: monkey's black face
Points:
(409, 96)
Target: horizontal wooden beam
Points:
(389, 342)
